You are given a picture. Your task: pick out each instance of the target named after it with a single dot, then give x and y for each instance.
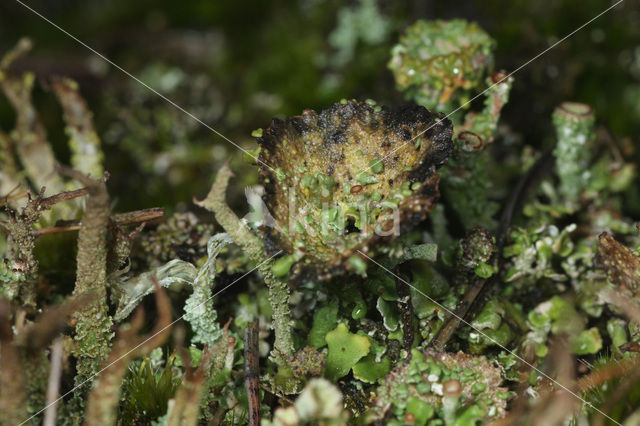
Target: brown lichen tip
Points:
(621, 265)
(346, 179)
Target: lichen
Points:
(361, 22)
(86, 152)
(574, 129)
(93, 322)
(340, 180)
(320, 402)
(133, 290)
(436, 60)
(29, 136)
(347, 330)
(345, 350)
(182, 236)
(198, 308)
(102, 404)
(20, 267)
(438, 385)
(253, 247)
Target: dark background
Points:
(237, 64)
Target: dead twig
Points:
(64, 196)
(128, 218)
(251, 371)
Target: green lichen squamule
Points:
(441, 387)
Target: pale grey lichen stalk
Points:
(253, 247)
(86, 153)
(9, 178)
(29, 137)
(198, 308)
(93, 327)
(320, 401)
(19, 268)
(574, 123)
(35, 153)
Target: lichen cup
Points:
(347, 180)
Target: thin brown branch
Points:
(138, 216)
(451, 324)
(128, 218)
(406, 310)
(251, 371)
(64, 196)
